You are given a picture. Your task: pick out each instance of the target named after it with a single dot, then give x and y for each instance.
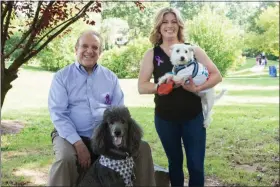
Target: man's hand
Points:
(83, 154)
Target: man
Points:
(78, 96)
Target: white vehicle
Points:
(121, 40)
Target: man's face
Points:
(88, 50)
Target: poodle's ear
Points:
(99, 138)
(135, 134)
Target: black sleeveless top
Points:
(178, 104)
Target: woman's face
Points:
(169, 27)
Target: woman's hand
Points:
(191, 87)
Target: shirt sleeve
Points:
(118, 96)
(59, 112)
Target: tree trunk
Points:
(6, 79)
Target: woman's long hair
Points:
(155, 36)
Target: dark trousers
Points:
(193, 135)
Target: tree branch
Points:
(19, 61)
(6, 25)
(82, 10)
(4, 12)
(35, 25)
(27, 33)
(70, 21)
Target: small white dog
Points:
(184, 67)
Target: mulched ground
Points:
(11, 127)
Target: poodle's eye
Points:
(186, 51)
(122, 121)
(177, 50)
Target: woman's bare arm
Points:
(145, 74)
(215, 75)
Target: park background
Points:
(243, 139)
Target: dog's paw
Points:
(207, 122)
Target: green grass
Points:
(30, 149)
(242, 141)
(252, 82)
(254, 93)
(239, 135)
(250, 62)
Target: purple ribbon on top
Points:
(107, 100)
(159, 61)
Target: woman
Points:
(178, 115)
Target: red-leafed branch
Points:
(31, 34)
(67, 23)
(27, 33)
(25, 57)
(79, 14)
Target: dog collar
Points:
(177, 68)
(195, 69)
(124, 167)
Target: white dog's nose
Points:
(182, 58)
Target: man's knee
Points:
(63, 157)
(64, 151)
(144, 148)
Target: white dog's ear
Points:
(191, 48)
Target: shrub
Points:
(216, 34)
(125, 61)
(58, 53)
(10, 43)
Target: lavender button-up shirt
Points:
(77, 100)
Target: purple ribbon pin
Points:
(107, 100)
(159, 61)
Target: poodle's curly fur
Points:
(117, 121)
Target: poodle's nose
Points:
(182, 58)
(117, 132)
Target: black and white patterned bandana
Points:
(124, 167)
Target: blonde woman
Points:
(178, 115)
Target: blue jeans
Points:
(193, 135)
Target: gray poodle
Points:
(116, 140)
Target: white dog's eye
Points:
(186, 51)
(177, 50)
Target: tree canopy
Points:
(43, 22)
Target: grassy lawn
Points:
(250, 93)
(242, 141)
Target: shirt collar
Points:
(80, 67)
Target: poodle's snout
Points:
(182, 58)
(117, 132)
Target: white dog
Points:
(184, 67)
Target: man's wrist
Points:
(78, 143)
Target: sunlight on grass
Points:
(254, 93)
(242, 141)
